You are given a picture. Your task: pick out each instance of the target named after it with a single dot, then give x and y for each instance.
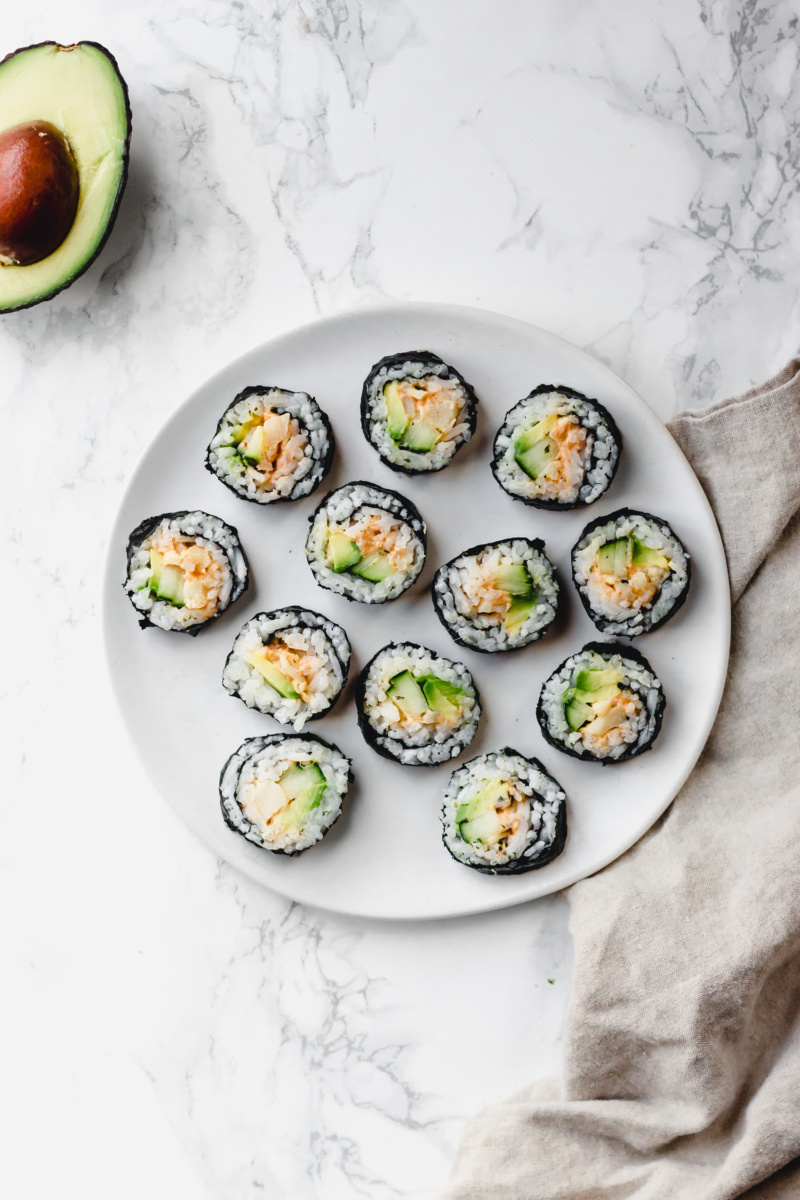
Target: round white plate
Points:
(385, 858)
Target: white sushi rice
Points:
(213, 535)
(347, 506)
(267, 758)
(323, 642)
(312, 441)
(602, 450)
(545, 798)
(635, 678)
(622, 620)
(483, 631)
(377, 415)
(421, 742)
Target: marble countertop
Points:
(625, 175)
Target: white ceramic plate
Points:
(385, 858)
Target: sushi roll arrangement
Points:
(290, 664)
(631, 571)
(556, 449)
(503, 814)
(284, 791)
(271, 445)
(366, 543)
(500, 596)
(183, 570)
(417, 411)
(603, 704)
(416, 707)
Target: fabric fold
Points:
(682, 1048)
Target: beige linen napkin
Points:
(682, 1049)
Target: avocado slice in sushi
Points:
(374, 567)
(397, 419)
(273, 675)
(342, 552)
(441, 696)
(519, 611)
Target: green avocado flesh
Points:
(614, 557)
(519, 611)
(477, 819)
(416, 696)
(79, 91)
(304, 786)
(166, 583)
(273, 676)
(374, 567)
(396, 418)
(342, 553)
(252, 445)
(534, 449)
(591, 686)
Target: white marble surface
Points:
(622, 172)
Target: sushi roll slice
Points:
(290, 664)
(417, 411)
(500, 596)
(503, 814)
(556, 449)
(284, 791)
(603, 704)
(271, 445)
(184, 569)
(366, 543)
(416, 707)
(631, 571)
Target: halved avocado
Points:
(79, 91)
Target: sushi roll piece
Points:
(503, 814)
(556, 449)
(271, 445)
(603, 704)
(631, 571)
(284, 791)
(366, 543)
(184, 569)
(290, 664)
(417, 411)
(416, 707)
(500, 596)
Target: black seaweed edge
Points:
(538, 545)
(123, 178)
(613, 428)
(269, 739)
(305, 612)
(606, 649)
(601, 623)
(412, 512)
(325, 462)
(546, 855)
(421, 356)
(372, 738)
(144, 529)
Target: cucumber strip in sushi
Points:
(271, 445)
(417, 411)
(366, 543)
(500, 596)
(603, 704)
(556, 449)
(184, 569)
(284, 791)
(416, 707)
(631, 571)
(290, 664)
(503, 814)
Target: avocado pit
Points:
(39, 192)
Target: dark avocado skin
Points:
(410, 513)
(604, 648)
(314, 620)
(546, 855)
(122, 180)
(369, 734)
(143, 530)
(423, 356)
(536, 544)
(608, 626)
(324, 463)
(573, 395)
(269, 740)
